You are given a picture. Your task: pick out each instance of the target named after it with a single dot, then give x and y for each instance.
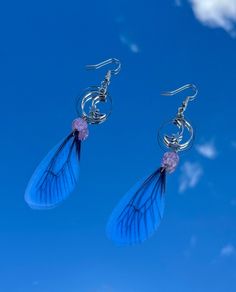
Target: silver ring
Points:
(89, 108)
(175, 141)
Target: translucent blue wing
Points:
(56, 176)
(139, 213)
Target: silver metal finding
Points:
(107, 62)
(178, 141)
(98, 95)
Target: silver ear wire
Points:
(96, 95)
(178, 141)
(107, 62)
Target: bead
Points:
(81, 126)
(170, 161)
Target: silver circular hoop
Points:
(88, 106)
(174, 141)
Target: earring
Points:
(56, 176)
(139, 213)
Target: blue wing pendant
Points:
(56, 176)
(139, 213)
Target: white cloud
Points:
(190, 175)
(216, 13)
(207, 150)
(134, 48)
(227, 250)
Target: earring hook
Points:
(107, 62)
(184, 105)
(175, 141)
(97, 97)
(187, 86)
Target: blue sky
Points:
(44, 48)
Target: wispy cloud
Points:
(134, 48)
(207, 150)
(216, 13)
(227, 250)
(233, 143)
(193, 241)
(190, 176)
(191, 246)
(178, 3)
(233, 202)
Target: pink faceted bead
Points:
(170, 161)
(81, 126)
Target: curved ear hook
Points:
(187, 86)
(174, 141)
(184, 105)
(107, 62)
(99, 94)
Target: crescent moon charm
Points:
(94, 106)
(178, 141)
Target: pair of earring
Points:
(139, 213)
